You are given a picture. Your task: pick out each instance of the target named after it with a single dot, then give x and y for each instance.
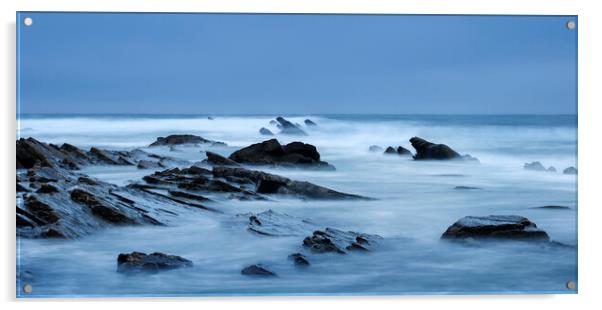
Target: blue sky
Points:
(296, 64)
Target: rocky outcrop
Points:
(265, 132)
(257, 270)
(502, 227)
(426, 150)
(538, 166)
(270, 223)
(184, 139)
(137, 262)
(64, 204)
(266, 183)
(33, 153)
(337, 241)
(463, 187)
(309, 123)
(219, 160)
(271, 152)
(570, 170)
(401, 151)
(288, 128)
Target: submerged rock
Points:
(271, 223)
(266, 132)
(141, 262)
(429, 150)
(337, 241)
(271, 152)
(288, 128)
(310, 123)
(538, 166)
(375, 148)
(257, 271)
(552, 207)
(299, 260)
(184, 139)
(570, 170)
(505, 227)
(401, 151)
(461, 187)
(390, 150)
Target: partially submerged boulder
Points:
(184, 139)
(400, 150)
(538, 166)
(137, 262)
(257, 270)
(502, 227)
(570, 170)
(299, 260)
(271, 152)
(288, 128)
(375, 148)
(266, 132)
(310, 123)
(429, 150)
(337, 241)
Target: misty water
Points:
(415, 201)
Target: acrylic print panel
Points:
(279, 154)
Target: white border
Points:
(590, 52)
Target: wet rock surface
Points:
(257, 270)
(271, 152)
(272, 223)
(332, 240)
(309, 123)
(266, 132)
(137, 262)
(501, 227)
(33, 153)
(216, 159)
(299, 260)
(288, 128)
(400, 150)
(426, 150)
(570, 170)
(184, 139)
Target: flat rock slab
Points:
(505, 227)
(332, 240)
(184, 139)
(271, 223)
(141, 262)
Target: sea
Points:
(414, 203)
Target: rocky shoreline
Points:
(56, 200)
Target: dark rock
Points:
(216, 159)
(136, 262)
(553, 207)
(21, 189)
(299, 260)
(310, 123)
(271, 152)
(403, 151)
(551, 169)
(210, 118)
(375, 148)
(570, 170)
(147, 164)
(534, 166)
(288, 128)
(505, 227)
(390, 150)
(466, 187)
(271, 223)
(429, 150)
(47, 189)
(266, 132)
(183, 139)
(289, 187)
(104, 211)
(258, 271)
(337, 241)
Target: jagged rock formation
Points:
(271, 152)
(426, 150)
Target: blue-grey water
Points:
(416, 202)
